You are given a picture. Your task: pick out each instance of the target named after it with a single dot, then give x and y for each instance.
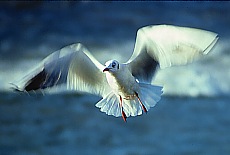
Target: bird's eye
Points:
(113, 64)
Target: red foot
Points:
(142, 105)
(124, 116)
(122, 111)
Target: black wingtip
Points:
(36, 82)
(32, 84)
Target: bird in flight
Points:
(125, 88)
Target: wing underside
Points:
(168, 45)
(72, 66)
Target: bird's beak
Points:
(106, 69)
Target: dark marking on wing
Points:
(46, 79)
(36, 82)
(144, 67)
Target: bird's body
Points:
(122, 81)
(125, 87)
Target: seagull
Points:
(125, 88)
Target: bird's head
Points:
(111, 66)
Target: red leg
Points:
(142, 105)
(122, 111)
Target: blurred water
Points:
(70, 123)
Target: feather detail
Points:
(149, 96)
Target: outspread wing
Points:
(73, 66)
(168, 45)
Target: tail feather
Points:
(149, 95)
(132, 107)
(110, 105)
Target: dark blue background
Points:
(70, 123)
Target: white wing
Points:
(168, 45)
(72, 65)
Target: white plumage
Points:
(125, 87)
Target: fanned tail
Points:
(110, 105)
(149, 95)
